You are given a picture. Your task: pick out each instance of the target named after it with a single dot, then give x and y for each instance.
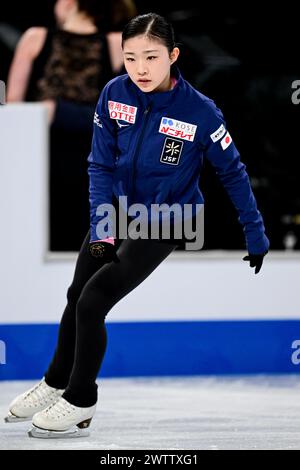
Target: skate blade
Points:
(46, 434)
(10, 418)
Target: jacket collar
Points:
(159, 99)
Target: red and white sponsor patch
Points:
(179, 129)
(226, 141)
(121, 111)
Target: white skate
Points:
(35, 399)
(62, 420)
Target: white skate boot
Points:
(35, 399)
(62, 420)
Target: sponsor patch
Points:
(179, 129)
(218, 134)
(171, 151)
(226, 141)
(122, 112)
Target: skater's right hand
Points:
(103, 251)
(256, 261)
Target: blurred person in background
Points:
(66, 68)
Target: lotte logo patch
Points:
(171, 151)
(122, 112)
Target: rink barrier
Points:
(165, 348)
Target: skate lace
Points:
(40, 393)
(60, 408)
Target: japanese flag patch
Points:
(226, 141)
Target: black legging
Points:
(95, 289)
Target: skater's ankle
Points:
(55, 384)
(79, 399)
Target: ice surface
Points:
(261, 412)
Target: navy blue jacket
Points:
(150, 148)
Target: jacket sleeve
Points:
(101, 162)
(221, 152)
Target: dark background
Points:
(245, 59)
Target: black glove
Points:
(255, 261)
(103, 251)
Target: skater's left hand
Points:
(255, 261)
(103, 251)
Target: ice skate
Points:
(62, 420)
(36, 399)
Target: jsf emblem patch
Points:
(171, 151)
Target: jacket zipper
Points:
(136, 153)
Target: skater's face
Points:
(148, 63)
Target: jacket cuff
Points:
(258, 247)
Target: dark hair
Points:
(153, 26)
(93, 8)
(108, 15)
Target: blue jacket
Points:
(150, 148)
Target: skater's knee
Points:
(92, 304)
(73, 294)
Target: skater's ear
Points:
(174, 55)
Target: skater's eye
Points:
(130, 59)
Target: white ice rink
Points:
(178, 413)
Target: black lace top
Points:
(70, 66)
